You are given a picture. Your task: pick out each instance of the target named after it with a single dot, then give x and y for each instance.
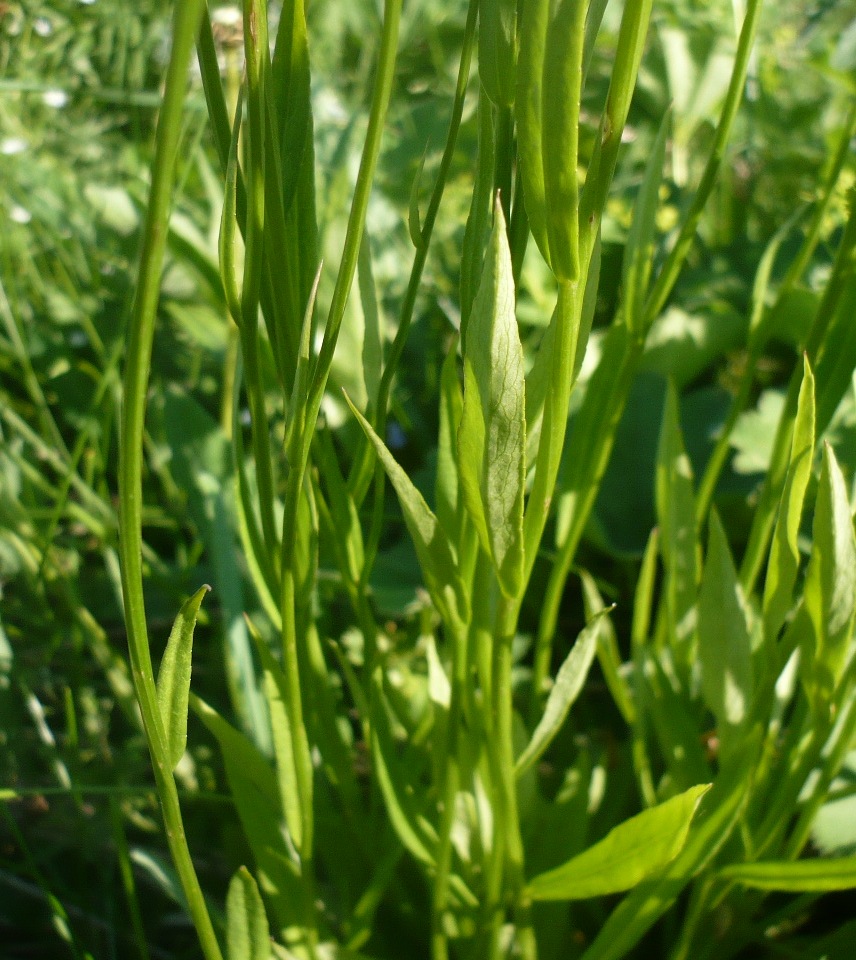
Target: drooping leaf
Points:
(492, 435)
(436, 556)
(566, 688)
(784, 552)
(724, 646)
(830, 584)
(627, 855)
(247, 933)
(801, 876)
(173, 683)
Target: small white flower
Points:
(12, 145)
(42, 26)
(55, 98)
(20, 215)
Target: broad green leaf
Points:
(276, 694)
(436, 556)
(492, 435)
(784, 552)
(800, 876)
(247, 933)
(566, 688)
(498, 49)
(679, 534)
(396, 784)
(627, 855)
(639, 251)
(173, 683)
(254, 788)
(716, 819)
(724, 646)
(478, 219)
(830, 584)
(446, 490)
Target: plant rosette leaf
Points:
(627, 855)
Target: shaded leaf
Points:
(724, 646)
(800, 876)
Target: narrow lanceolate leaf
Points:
(247, 933)
(174, 677)
(492, 435)
(801, 876)
(627, 854)
(784, 553)
(724, 646)
(830, 587)
(566, 688)
(498, 49)
(676, 516)
(639, 252)
(717, 817)
(436, 556)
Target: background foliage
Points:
(82, 859)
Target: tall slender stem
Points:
(140, 337)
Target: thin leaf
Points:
(492, 435)
(784, 553)
(724, 646)
(566, 688)
(627, 855)
(173, 683)
(247, 933)
(446, 490)
(801, 876)
(436, 556)
(608, 654)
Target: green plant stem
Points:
(140, 336)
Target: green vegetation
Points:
(426, 479)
